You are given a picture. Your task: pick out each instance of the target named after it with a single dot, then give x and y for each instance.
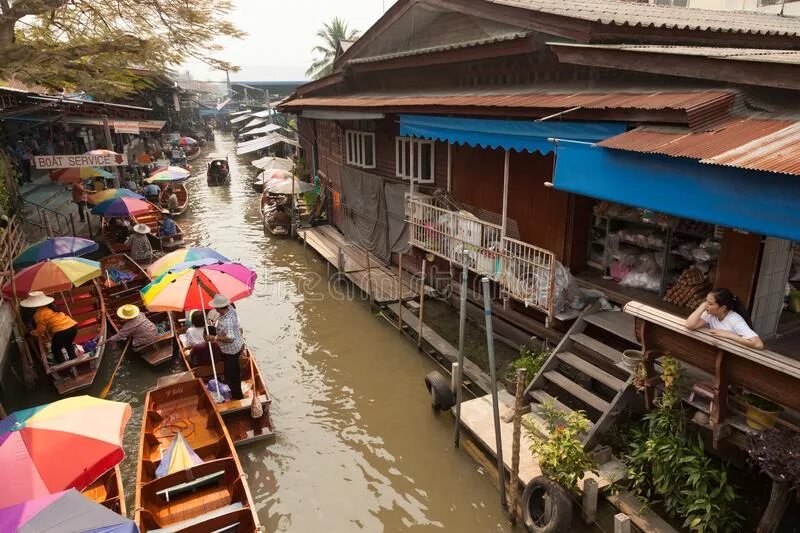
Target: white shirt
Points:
(732, 322)
(194, 336)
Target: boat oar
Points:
(256, 410)
(216, 395)
(104, 392)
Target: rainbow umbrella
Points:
(102, 151)
(58, 446)
(183, 255)
(64, 511)
(122, 207)
(192, 286)
(186, 141)
(168, 174)
(78, 174)
(110, 194)
(54, 248)
(179, 456)
(273, 177)
(53, 275)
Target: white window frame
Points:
(355, 148)
(401, 144)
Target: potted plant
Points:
(760, 413)
(776, 452)
(631, 359)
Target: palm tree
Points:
(331, 34)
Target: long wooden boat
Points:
(243, 428)
(151, 219)
(86, 306)
(122, 280)
(211, 496)
(107, 491)
(218, 171)
(268, 207)
(183, 199)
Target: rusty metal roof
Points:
(701, 107)
(754, 143)
(787, 57)
(441, 48)
(669, 17)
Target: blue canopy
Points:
(760, 202)
(516, 135)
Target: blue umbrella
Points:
(53, 248)
(64, 511)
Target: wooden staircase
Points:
(585, 371)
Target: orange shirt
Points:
(78, 193)
(51, 321)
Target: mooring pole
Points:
(514, 482)
(462, 326)
(400, 306)
(487, 312)
(421, 299)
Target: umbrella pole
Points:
(64, 297)
(217, 394)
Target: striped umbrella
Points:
(64, 511)
(54, 248)
(110, 194)
(122, 207)
(53, 275)
(58, 446)
(183, 255)
(170, 173)
(78, 174)
(186, 141)
(102, 151)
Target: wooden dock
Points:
(476, 417)
(362, 268)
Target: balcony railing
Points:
(525, 272)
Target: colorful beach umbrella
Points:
(110, 194)
(270, 163)
(54, 248)
(170, 173)
(186, 141)
(183, 255)
(293, 186)
(102, 151)
(122, 207)
(192, 286)
(53, 275)
(78, 174)
(58, 446)
(179, 456)
(273, 176)
(64, 511)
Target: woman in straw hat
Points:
(141, 251)
(231, 343)
(137, 327)
(59, 326)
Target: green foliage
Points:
(528, 359)
(330, 35)
(667, 463)
(561, 455)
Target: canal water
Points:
(358, 446)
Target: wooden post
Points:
(589, 500)
(462, 325)
(449, 167)
(19, 337)
(421, 300)
(720, 404)
(516, 435)
(779, 499)
(622, 524)
(369, 283)
(453, 376)
(503, 225)
(400, 307)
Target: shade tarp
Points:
(760, 202)
(269, 128)
(519, 135)
(365, 211)
(260, 143)
(395, 195)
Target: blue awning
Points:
(759, 202)
(516, 135)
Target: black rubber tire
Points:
(533, 506)
(439, 388)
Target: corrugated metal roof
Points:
(442, 48)
(681, 18)
(701, 107)
(789, 57)
(753, 143)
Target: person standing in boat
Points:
(61, 328)
(725, 316)
(152, 192)
(137, 327)
(230, 341)
(141, 250)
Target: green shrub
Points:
(530, 360)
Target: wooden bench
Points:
(768, 374)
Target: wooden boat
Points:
(218, 170)
(192, 153)
(211, 496)
(86, 306)
(269, 207)
(243, 428)
(183, 198)
(107, 491)
(118, 292)
(151, 219)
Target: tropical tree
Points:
(331, 33)
(100, 45)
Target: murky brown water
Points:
(358, 447)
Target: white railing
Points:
(525, 272)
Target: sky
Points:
(281, 34)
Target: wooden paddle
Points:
(104, 392)
(256, 409)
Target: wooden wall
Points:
(739, 262)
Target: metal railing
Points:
(48, 222)
(12, 241)
(525, 272)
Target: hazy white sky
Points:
(281, 34)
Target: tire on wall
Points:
(439, 388)
(546, 506)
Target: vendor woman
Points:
(723, 313)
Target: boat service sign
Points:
(47, 162)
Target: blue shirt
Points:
(152, 190)
(168, 228)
